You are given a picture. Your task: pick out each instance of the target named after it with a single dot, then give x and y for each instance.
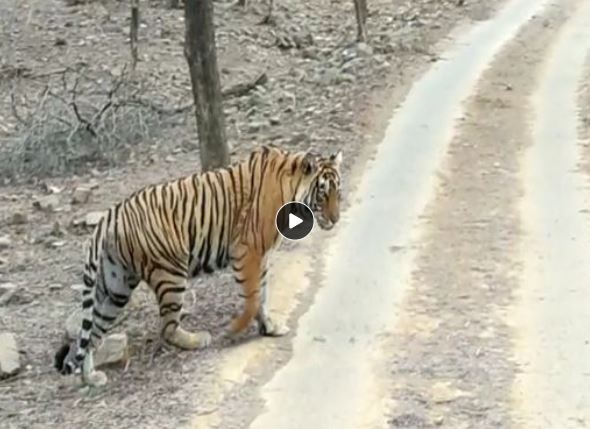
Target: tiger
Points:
(165, 234)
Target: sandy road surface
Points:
(455, 292)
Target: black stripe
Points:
(169, 308)
(100, 328)
(116, 210)
(222, 241)
(96, 313)
(203, 202)
(170, 322)
(87, 280)
(175, 271)
(161, 283)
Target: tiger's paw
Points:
(96, 379)
(231, 335)
(189, 340)
(270, 328)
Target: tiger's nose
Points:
(334, 217)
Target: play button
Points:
(294, 221)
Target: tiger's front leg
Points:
(250, 273)
(267, 326)
(169, 290)
(247, 272)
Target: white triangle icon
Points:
(294, 221)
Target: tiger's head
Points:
(324, 193)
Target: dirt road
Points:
(452, 294)
(455, 292)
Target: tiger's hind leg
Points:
(113, 289)
(169, 290)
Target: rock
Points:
(92, 185)
(303, 40)
(297, 139)
(81, 195)
(113, 350)
(7, 291)
(310, 53)
(364, 49)
(330, 76)
(254, 127)
(78, 287)
(9, 357)
(46, 187)
(18, 218)
(47, 204)
(91, 219)
(53, 244)
(5, 242)
(55, 286)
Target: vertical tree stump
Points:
(201, 55)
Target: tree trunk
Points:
(360, 7)
(133, 29)
(200, 52)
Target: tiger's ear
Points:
(309, 164)
(336, 158)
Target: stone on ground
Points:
(9, 357)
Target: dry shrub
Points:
(78, 124)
